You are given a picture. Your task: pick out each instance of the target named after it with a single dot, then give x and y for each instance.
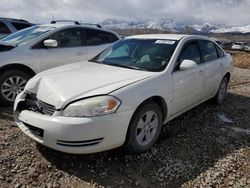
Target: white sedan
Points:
(124, 95)
(238, 46)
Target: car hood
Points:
(61, 85)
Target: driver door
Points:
(187, 85)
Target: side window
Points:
(20, 26)
(4, 29)
(98, 37)
(219, 52)
(208, 50)
(190, 51)
(68, 38)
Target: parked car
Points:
(41, 47)
(247, 47)
(10, 25)
(124, 95)
(238, 46)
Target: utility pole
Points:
(131, 27)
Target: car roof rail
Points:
(97, 25)
(55, 21)
(76, 23)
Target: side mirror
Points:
(50, 43)
(188, 64)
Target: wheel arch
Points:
(228, 75)
(19, 67)
(159, 101)
(155, 99)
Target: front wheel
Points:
(144, 128)
(221, 93)
(12, 82)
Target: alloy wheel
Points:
(12, 86)
(147, 128)
(222, 90)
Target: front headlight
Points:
(95, 106)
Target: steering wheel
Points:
(159, 58)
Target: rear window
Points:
(20, 26)
(4, 29)
(97, 37)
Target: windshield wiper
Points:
(94, 61)
(125, 66)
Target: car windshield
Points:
(26, 35)
(140, 54)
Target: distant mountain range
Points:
(173, 26)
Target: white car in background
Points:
(41, 47)
(238, 46)
(247, 47)
(124, 95)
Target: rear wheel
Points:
(144, 128)
(221, 93)
(12, 82)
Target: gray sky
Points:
(232, 12)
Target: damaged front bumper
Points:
(70, 134)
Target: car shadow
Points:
(6, 112)
(188, 146)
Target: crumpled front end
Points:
(79, 135)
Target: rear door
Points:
(187, 84)
(97, 40)
(70, 49)
(212, 59)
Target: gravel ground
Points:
(197, 149)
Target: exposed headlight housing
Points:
(94, 106)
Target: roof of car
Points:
(159, 36)
(57, 25)
(167, 36)
(62, 24)
(13, 19)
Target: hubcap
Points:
(147, 128)
(12, 87)
(223, 90)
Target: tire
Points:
(222, 91)
(143, 132)
(12, 82)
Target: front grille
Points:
(33, 104)
(46, 108)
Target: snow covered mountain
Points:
(160, 24)
(206, 28)
(232, 29)
(173, 26)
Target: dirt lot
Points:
(197, 149)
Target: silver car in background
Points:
(41, 47)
